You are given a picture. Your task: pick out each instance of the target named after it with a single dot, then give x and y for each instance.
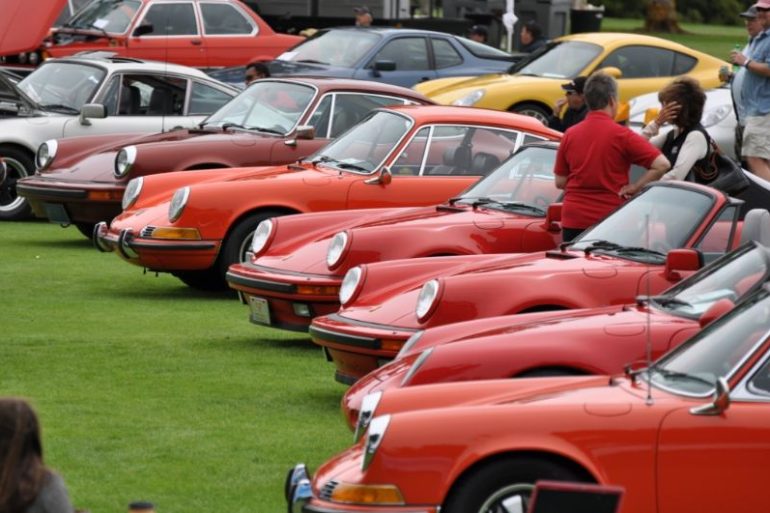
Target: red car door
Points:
(231, 37)
(168, 31)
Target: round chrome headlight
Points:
(124, 161)
(469, 99)
(261, 236)
(46, 152)
(178, 202)
(350, 284)
(133, 190)
(337, 249)
(427, 299)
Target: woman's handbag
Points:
(718, 171)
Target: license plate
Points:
(56, 213)
(260, 312)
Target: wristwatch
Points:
(746, 64)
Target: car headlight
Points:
(337, 249)
(713, 116)
(374, 436)
(416, 336)
(178, 202)
(427, 299)
(368, 407)
(469, 99)
(350, 284)
(133, 189)
(262, 236)
(46, 152)
(416, 366)
(124, 161)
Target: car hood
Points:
(20, 32)
(281, 67)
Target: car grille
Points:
(147, 231)
(327, 490)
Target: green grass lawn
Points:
(716, 40)
(149, 390)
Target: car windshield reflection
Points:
(341, 48)
(562, 60)
(364, 148)
(63, 86)
(523, 183)
(113, 16)
(662, 218)
(267, 106)
(717, 351)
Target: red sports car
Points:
(195, 225)
(689, 434)
(625, 255)
(300, 260)
(275, 121)
(199, 33)
(575, 342)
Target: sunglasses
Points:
(570, 93)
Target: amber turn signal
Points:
(367, 494)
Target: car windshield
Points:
(112, 16)
(483, 50)
(562, 60)
(62, 86)
(662, 218)
(267, 106)
(523, 183)
(717, 351)
(342, 48)
(364, 148)
(731, 277)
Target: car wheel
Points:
(19, 164)
(238, 242)
(502, 486)
(533, 110)
(87, 229)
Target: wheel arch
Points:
(543, 307)
(19, 146)
(200, 166)
(535, 103)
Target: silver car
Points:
(91, 95)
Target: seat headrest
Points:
(483, 163)
(756, 226)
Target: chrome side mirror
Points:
(720, 403)
(384, 177)
(303, 132)
(92, 111)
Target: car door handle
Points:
(196, 42)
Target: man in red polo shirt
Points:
(595, 157)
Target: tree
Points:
(661, 17)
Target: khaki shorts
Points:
(756, 137)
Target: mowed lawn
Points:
(149, 390)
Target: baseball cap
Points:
(764, 4)
(576, 85)
(361, 9)
(478, 29)
(750, 13)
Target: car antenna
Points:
(648, 341)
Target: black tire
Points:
(207, 280)
(484, 488)
(532, 109)
(87, 229)
(20, 163)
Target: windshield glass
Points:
(342, 48)
(274, 107)
(731, 277)
(62, 86)
(562, 60)
(364, 147)
(717, 351)
(660, 219)
(523, 183)
(112, 16)
(483, 50)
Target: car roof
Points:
(392, 30)
(622, 37)
(342, 84)
(113, 63)
(468, 115)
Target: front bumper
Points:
(66, 204)
(357, 348)
(284, 300)
(156, 254)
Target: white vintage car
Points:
(95, 94)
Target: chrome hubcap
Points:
(509, 499)
(9, 200)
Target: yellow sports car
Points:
(642, 64)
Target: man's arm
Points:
(560, 181)
(658, 168)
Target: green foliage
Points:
(149, 390)
(695, 11)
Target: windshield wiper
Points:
(312, 61)
(522, 204)
(634, 249)
(322, 159)
(354, 167)
(266, 130)
(664, 300)
(670, 374)
(600, 244)
(225, 126)
(60, 106)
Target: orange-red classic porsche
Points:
(297, 275)
(195, 225)
(689, 434)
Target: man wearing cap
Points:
(478, 33)
(755, 94)
(576, 106)
(363, 16)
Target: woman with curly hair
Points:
(688, 143)
(26, 484)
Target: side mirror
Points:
(623, 115)
(384, 177)
(303, 132)
(92, 111)
(144, 28)
(612, 71)
(9, 107)
(720, 403)
(553, 217)
(380, 66)
(679, 260)
(715, 311)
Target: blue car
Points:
(397, 56)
